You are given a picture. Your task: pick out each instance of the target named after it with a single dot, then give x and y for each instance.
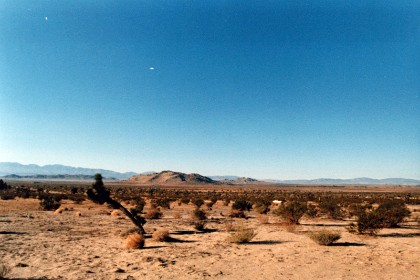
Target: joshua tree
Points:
(99, 194)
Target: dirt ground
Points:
(43, 245)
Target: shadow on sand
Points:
(400, 235)
(12, 232)
(345, 244)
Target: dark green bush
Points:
(331, 208)
(393, 212)
(49, 203)
(291, 211)
(242, 205)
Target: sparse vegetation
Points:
(325, 237)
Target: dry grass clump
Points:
(134, 241)
(154, 214)
(177, 215)
(4, 270)
(263, 219)
(242, 235)
(325, 237)
(116, 213)
(130, 231)
(161, 235)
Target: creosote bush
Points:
(242, 235)
(242, 205)
(368, 222)
(291, 211)
(390, 213)
(393, 213)
(49, 203)
(199, 219)
(325, 237)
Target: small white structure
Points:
(277, 202)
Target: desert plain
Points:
(84, 241)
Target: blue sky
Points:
(265, 89)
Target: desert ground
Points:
(85, 241)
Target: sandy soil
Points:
(42, 245)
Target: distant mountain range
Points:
(33, 170)
(355, 181)
(13, 170)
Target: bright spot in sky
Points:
(152, 68)
(46, 18)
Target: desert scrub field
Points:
(39, 243)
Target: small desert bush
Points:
(4, 270)
(242, 235)
(134, 241)
(330, 207)
(198, 202)
(325, 237)
(263, 219)
(393, 213)
(185, 200)
(199, 214)
(161, 235)
(198, 219)
(237, 214)
(389, 214)
(139, 204)
(291, 211)
(199, 225)
(368, 222)
(130, 232)
(48, 203)
(154, 214)
(312, 211)
(242, 205)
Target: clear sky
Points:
(264, 89)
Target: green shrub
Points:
(291, 211)
(242, 205)
(331, 208)
(49, 203)
(393, 213)
(198, 202)
(199, 214)
(312, 211)
(368, 222)
(325, 237)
